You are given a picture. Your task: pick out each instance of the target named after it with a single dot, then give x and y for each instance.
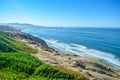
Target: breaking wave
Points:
(83, 51)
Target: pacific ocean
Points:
(101, 43)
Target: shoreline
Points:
(102, 60)
(72, 54)
(90, 67)
(81, 50)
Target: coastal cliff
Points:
(90, 67)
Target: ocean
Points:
(100, 43)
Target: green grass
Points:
(17, 64)
(12, 44)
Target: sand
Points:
(90, 67)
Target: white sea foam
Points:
(83, 51)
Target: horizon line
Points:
(61, 26)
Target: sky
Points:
(62, 13)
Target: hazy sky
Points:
(81, 13)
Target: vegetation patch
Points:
(17, 64)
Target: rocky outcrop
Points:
(97, 69)
(27, 37)
(31, 39)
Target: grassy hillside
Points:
(17, 64)
(14, 44)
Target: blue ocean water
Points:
(101, 43)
